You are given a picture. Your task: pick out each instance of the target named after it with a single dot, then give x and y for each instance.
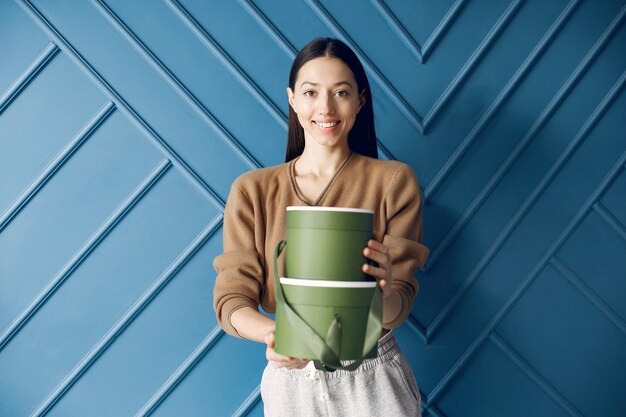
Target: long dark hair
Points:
(362, 136)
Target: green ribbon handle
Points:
(327, 349)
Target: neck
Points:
(321, 161)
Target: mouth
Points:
(327, 125)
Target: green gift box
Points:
(327, 242)
(327, 309)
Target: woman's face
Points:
(326, 100)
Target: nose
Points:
(327, 104)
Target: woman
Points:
(331, 161)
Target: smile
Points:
(326, 125)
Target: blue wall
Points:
(123, 124)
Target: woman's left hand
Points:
(379, 253)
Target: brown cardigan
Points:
(254, 223)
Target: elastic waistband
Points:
(386, 351)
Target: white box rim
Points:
(327, 283)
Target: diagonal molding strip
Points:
(29, 74)
(90, 358)
(382, 149)
(400, 31)
(431, 409)
(443, 26)
(63, 156)
(232, 67)
(123, 106)
(610, 219)
(251, 401)
(182, 371)
(83, 252)
(584, 289)
(500, 100)
(420, 53)
(535, 376)
(417, 327)
(530, 278)
(279, 39)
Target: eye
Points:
(309, 93)
(341, 93)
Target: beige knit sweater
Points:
(254, 223)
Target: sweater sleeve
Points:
(403, 237)
(239, 269)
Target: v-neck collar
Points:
(296, 189)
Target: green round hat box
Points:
(318, 302)
(327, 242)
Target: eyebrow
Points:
(316, 84)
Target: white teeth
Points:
(326, 124)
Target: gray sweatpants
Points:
(382, 386)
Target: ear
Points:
(291, 99)
(362, 99)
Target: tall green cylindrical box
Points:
(324, 282)
(327, 242)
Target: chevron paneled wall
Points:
(123, 124)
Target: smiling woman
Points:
(331, 161)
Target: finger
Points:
(292, 363)
(271, 355)
(374, 271)
(287, 362)
(376, 255)
(269, 339)
(278, 357)
(298, 363)
(378, 246)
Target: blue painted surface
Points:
(123, 125)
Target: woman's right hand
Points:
(279, 360)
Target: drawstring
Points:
(323, 386)
(312, 373)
